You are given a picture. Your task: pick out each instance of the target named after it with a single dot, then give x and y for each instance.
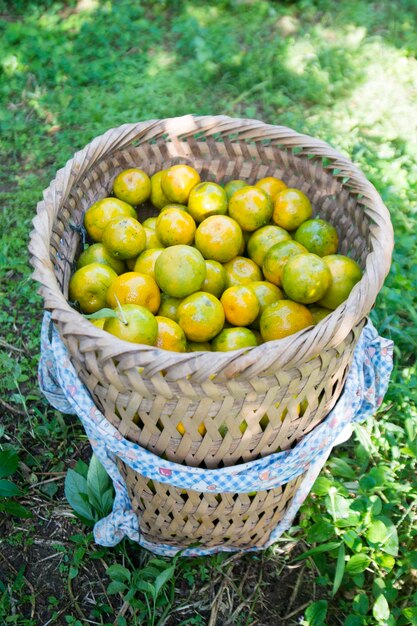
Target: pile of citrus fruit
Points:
(219, 268)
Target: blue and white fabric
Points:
(364, 390)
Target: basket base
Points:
(183, 517)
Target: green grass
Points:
(345, 72)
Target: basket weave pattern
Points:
(145, 392)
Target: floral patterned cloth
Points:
(364, 390)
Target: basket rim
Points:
(246, 362)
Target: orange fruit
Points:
(158, 198)
(215, 281)
(180, 270)
(170, 335)
(152, 240)
(124, 238)
(263, 239)
(284, 318)
(271, 186)
(219, 238)
(240, 305)
(175, 205)
(97, 253)
(174, 227)
(145, 263)
(178, 181)
(234, 339)
(150, 223)
(318, 313)
(201, 316)
(169, 306)
(134, 323)
(134, 288)
(251, 208)
(345, 273)
(291, 208)
(207, 199)
(132, 185)
(198, 346)
(267, 293)
(306, 278)
(318, 236)
(241, 271)
(99, 323)
(102, 212)
(89, 285)
(276, 258)
(232, 186)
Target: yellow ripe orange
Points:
(219, 238)
(284, 318)
(318, 236)
(124, 238)
(267, 293)
(234, 339)
(232, 186)
(133, 186)
(169, 306)
(150, 223)
(276, 258)
(271, 186)
(145, 263)
(215, 281)
(134, 323)
(306, 278)
(198, 346)
(180, 270)
(102, 212)
(263, 239)
(241, 271)
(201, 316)
(170, 335)
(175, 205)
(134, 288)
(291, 208)
(152, 240)
(99, 323)
(318, 313)
(207, 199)
(97, 253)
(178, 181)
(174, 227)
(89, 285)
(158, 198)
(345, 274)
(240, 305)
(251, 208)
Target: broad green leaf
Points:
(163, 578)
(97, 483)
(380, 610)
(383, 533)
(76, 494)
(9, 489)
(116, 587)
(353, 620)
(325, 547)
(146, 587)
(315, 614)
(357, 563)
(361, 603)
(339, 467)
(321, 486)
(81, 468)
(14, 508)
(410, 613)
(340, 568)
(364, 438)
(107, 501)
(118, 572)
(9, 462)
(320, 531)
(101, 313)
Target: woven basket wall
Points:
(146, 392)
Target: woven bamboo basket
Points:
(145, 392)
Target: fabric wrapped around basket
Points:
(364, 390)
